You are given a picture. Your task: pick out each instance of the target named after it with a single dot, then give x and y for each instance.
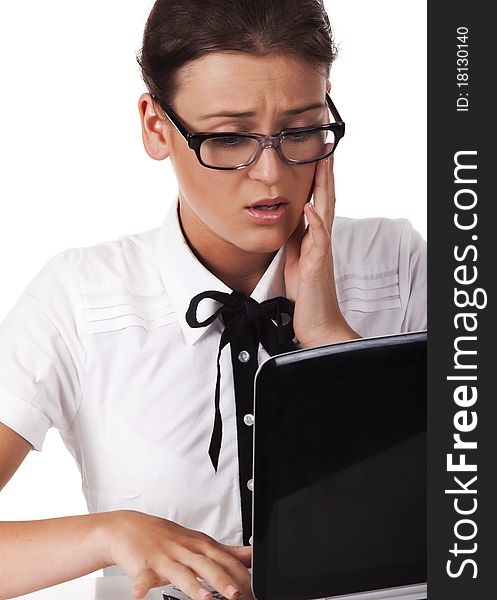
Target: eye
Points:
(231, 142)
(299, 136)
(228, 141)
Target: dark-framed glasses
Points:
(230, 150)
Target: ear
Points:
(155, 128)
(328, 85)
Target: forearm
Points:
(39, 554)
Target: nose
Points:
(268, 168)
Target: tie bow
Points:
(252, 311)
(249, 321)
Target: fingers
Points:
(324, 191)
(223, 572)
(320, 236)
(242, 553)
(186, 580)
(144, 580)
(183, 578)
(235, 560)
(154, 552)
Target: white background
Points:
(74, 171)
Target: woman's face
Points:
(213, 203)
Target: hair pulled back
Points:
(180, 31)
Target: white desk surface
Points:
(117, 587)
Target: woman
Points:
(116, 344)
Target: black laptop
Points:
(339, 505)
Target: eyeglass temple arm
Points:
(333, 109)
(182, 130)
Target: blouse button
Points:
(244, 356)
(248, 419)
(250, 485)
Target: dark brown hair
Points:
(179, 31)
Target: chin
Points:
(263, 243)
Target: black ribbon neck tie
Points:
(248, 323)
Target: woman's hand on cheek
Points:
(309, 277)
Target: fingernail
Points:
(231, 590)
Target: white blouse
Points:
(98, 347)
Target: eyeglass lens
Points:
(235, 151)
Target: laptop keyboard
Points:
(171, 592)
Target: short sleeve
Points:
(41, 355)
(412, 279)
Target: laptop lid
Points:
(339, 504)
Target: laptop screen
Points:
(340, 469)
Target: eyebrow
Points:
(292, 111)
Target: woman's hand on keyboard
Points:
(153, 552)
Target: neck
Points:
(238, 269)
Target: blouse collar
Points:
(184, 276)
